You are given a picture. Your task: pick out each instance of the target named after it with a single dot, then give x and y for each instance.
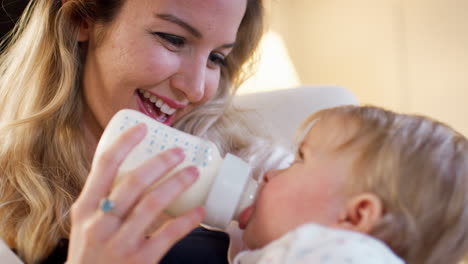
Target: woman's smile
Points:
(157, 107)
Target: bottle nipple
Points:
(232, 191)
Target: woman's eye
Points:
(173, 40)
(217, 59)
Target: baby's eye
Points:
(299, 155)
(173, 40)
(296, 161)
(216, 60)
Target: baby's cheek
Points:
(269, 215)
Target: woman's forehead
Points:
(221, 6)
(218, 17)
(215, 10)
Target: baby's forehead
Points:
(329, 132)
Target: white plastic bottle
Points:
(224, 186)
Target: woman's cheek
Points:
(212, 85)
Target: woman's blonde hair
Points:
(419, 169)
(43, 155)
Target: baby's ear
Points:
(361, 213)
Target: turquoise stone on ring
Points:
(106, 205)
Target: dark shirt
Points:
(201, 246)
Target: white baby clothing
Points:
(316, 244)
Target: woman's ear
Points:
(83, 34)
(361, 213)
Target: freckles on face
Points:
(118, 64)
(131, 56)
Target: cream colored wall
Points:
(437, 52)
(407, 55)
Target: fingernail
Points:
(191, 173)
(141, 127)
(178, 152)
(193, 170)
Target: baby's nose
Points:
(269, 175)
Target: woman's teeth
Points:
(158, 102)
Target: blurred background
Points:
(406, 55)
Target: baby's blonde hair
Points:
(419, 169)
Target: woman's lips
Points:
(244, 216)
(149, 109)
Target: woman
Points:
(69, 67)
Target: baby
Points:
(367, 186)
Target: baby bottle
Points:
(224, 186)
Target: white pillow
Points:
(281, 112)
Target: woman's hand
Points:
(115, 232)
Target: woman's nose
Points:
(190, 79)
